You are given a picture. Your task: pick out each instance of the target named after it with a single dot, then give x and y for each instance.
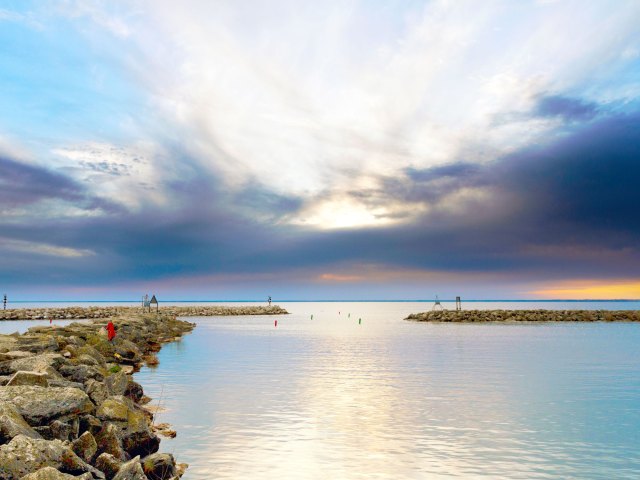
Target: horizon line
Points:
(337, 300)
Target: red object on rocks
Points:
(111, 330)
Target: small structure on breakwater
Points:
(154, 301)
(471, 316)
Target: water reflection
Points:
(329, 398)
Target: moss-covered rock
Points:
(40, 405)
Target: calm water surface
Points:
(329, 398)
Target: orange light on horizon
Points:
(592, 289)
(333, 277)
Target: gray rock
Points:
(108, 464)
(39, 405)
(24, 455)
(12, 424)
(159, 466)
(81, 373)
(143, 442)
(29, 378)
(117, 383)
(17, 354)
(88, 350)
(131, 470)
(97, 391)
(122, 409)
(109, 441)
(127, 350)
(134, 391)
(60, 430)
(50, 473)
(62, 383)
(85, 446)
(87, 360)
(38, 343)
(89, 423)
(37, 363)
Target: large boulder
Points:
(39, 405)
(134, 391)
(159, 466)
(24, 455)
(85, 446)
(131, 470)
(109, 441)
(141, 443)
(12, 424)
(135, 432)
(126, 350)
(16, 354)
(50, 473)
(97, 391)
(38, 343)
(87, 360)
(89, 423)
(81, 373)
(117, 383)
(62, 383)
(108, 464)
(122, 410)
(33, 363)
(29, 378)
(88, 350)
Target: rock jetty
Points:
(77, 313)
(69, 407)
(469, 316)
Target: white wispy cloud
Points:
(317, 99)
(42, 248)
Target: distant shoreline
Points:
(261, 301)
(480, 316)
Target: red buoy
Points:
(275, 324)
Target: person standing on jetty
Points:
(111, 331)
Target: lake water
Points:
(332, 398)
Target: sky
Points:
(319, 150)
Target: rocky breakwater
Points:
(71, 313)
(220, 310)
(470, 316)
(69, 407)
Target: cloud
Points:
(288, 137)
(572, 109)
(24, 184)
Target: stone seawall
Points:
(66, 313)
(469, 316)
(69, 407)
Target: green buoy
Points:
(359, 321)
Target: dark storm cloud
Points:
(566, 107)
(22, 184)
(568, 207)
